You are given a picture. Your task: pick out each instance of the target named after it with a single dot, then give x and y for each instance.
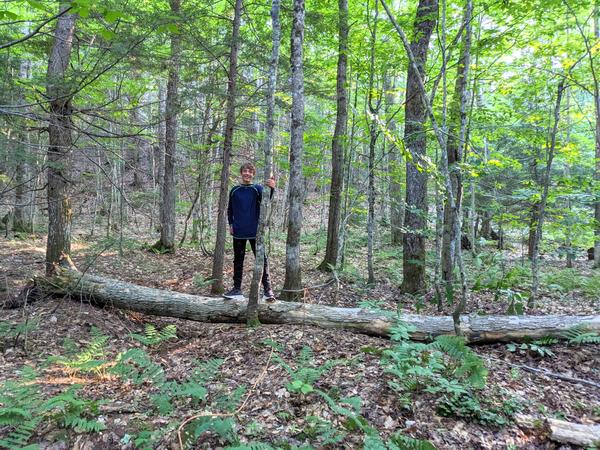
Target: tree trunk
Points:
(21, 222)
(454, 151)
(395, 187)
(373, 107)
(292, 287)
(415, 218)
(167, 210)
(265, 205)
(597, 141)
(544, 196)
(338, 143)
(476, 329)
(219, 253)
(60, 142)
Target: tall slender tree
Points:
(373, 106)
(60, 141)
(293, 275)
(265, 205)
(167, 209)
(455, 148)
(219, 253)
(415, 218)
(338, 143)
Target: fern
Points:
(153, 337)
(307, 373)
(18, 438)
(136, 366)
(580, 334)
(71, 411)
(87, 359)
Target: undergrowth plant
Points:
(303, 380)
(153, 337)
(580, 334)
(23, 409)
(447, 368)
(12, 332)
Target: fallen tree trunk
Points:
(476, 329)
(584, 435)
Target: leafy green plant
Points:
(516, 302)
(90, 358)
(152, 337)
(23, 410)
(200, 282)
(468, 406)
(530, 348)
(307, 372)
(446, 365)
(74, 412)
(13, 331)
(580, 334)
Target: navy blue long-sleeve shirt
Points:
(243, 211)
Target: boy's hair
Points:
(248, 165)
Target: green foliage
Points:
(136, 366)
(516, 302)
(569, 280)
(492, 274)
(74, 412)
(307, 372)
(200, 282)
(446, 365)
(468, 406)
(88, 359)
(153, 337)
(580, 334)
(538, 347)
(23, 409)
(15, 330)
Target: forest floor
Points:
(63, 332)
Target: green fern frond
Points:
(206, 370)
(401, 441)
(135, 365)
(546, 340)
(153, 337)
(580, 334)
(18, 438)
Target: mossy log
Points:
(476, 329)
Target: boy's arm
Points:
(271, 184)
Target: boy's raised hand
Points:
(271, 182)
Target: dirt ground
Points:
(268, 412)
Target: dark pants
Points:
(239, 252)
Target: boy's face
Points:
(247, 175)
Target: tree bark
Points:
(167, 210)
(476, 329)
(544, 196)
(454, 151)
(415, 218)
(60, 142)
(338, 144)
(582, 435)
(292, 287)
(265, 205)
(395, 187)
(219, 253)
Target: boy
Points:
(243, 215)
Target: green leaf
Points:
(108, 34)
(112, 16)
(37, 5)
